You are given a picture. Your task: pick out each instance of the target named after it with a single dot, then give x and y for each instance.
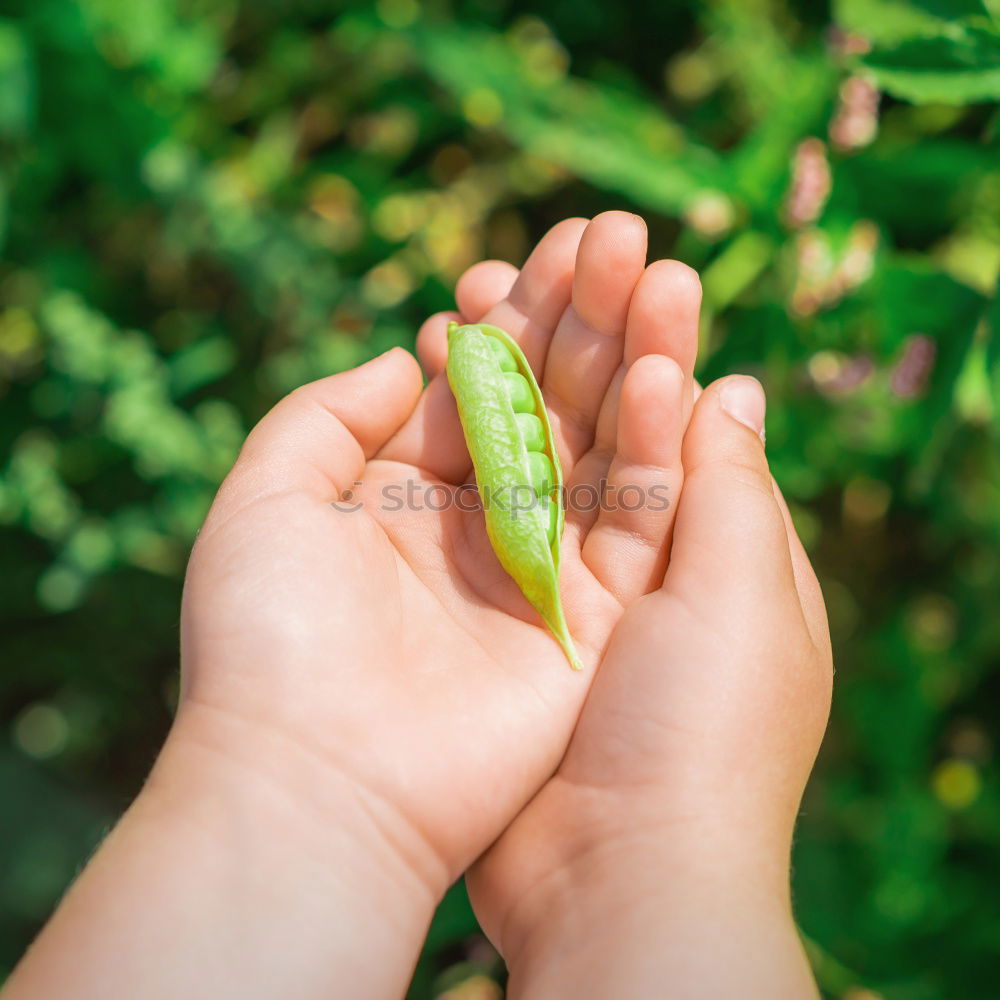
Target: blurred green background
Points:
(204, 203)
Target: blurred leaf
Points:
(454, 919)
(917, 301)
(993, 352)
(957, 68)
(914, 297)
(16, 82)
(610, 138)
(949, 10)
(891, 20)
(735, 268)
(453, 923)
(885, 183)
(200, 364)
(47, 832)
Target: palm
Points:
(407, 633)
(388, 638)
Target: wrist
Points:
(239, 777)
(627, 917)
(315, 880)
(575, 843)
(286, 783)
(610, 892)
(262, 889)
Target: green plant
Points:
(204, 206)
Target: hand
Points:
(659, 852)
(367, 699)
(385, 652)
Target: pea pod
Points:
(517, 469)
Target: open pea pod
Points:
(517, 468)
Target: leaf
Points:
(913, 297)
(17, 91)
(884, 21)
(46, 833)
(957, 68)
(736, 268)
(454, 920)
(916, 299)
(613, 139)
(200, 363)
(992, 317)
(883, 182)
(759, 165)
(453, 923)
(950, 10)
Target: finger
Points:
(479, 289)
(432, 342)
(541, 293)
(810, 592)
(592, 469)
(627, 548)
(432, 437)
(729, 536)
(482, 286)
(319, 437)
(662, 319)
(586, 349)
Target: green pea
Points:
(541, 473)
(522, 399)
(506, 360)
(532, 431)
(551, 509)
(510, 441)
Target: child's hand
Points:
(367, 698)
(376, 668)
(385, 649)
(659, 851)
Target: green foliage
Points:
(930, 50)
(950, 68)
(207, 204)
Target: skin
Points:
(687, 766)
(352, 681)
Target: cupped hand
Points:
(678, 793)
(347, 630)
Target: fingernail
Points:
(743, 399)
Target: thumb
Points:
(319, 437)
(729, 536)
